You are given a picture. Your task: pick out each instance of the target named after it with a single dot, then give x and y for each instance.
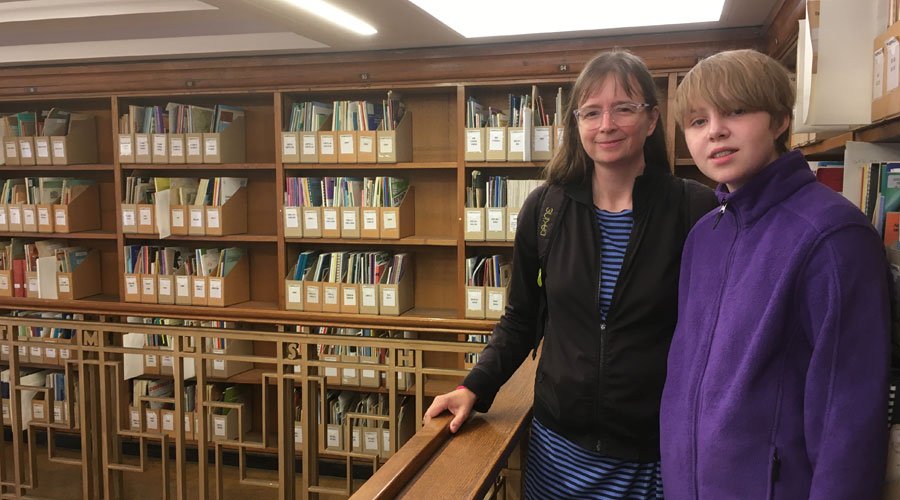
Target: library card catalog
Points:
(473, 141)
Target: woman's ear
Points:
(654, 118)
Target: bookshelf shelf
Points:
(491, 244)
(199, 166)
(426, 241)
(441, 165)
(51, 169)
(234, 238)
(84, 235)
(504, 164)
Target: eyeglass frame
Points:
(638, 106)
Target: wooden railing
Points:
(436, 464)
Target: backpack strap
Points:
(549, 217)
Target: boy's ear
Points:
(780, 128)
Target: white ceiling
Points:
(126, 30)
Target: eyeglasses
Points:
(624, 114)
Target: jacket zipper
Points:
(598, 244)
(719, 215)
(699, 385)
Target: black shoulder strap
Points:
(553, 205)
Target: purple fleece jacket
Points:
(777, 374)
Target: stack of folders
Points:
(69, 258)
(143, 259)
(309, 116)
(178, 118)
(487, 279)
(493, 204)
(347, 267)
(323, 192)
(42, 190)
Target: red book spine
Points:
(18, 278)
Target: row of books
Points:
(43, 190)
(35, 405)
(498, 191)
(518, 107)
(144, 259)
(313, 116)
(390, 141)
(487, 281)
(214, 191)
(377, 267)
(381, 191)
(54, 121)
(178, 118)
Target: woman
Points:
(607, 293)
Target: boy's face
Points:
(730, 148)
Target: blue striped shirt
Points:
(615, 229)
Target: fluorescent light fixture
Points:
(42, 10)
(335, 15)
(479, 18)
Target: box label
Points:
(386, 145)
(178, 218)
(309, 145)
(193, 146)
(389, 219)
(294, 296)
(212, 147)
(346, 144)
(349, 220)
(288, 145)
(473, 141)
(212, 219)
(43, 149)
(143, 145)
(366, 144)
(125, 146)
(327, 144)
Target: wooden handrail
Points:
(435, 464)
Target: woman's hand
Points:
(459, 402)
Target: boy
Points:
(777, 374)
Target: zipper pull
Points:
(776, 466)
(720, 214)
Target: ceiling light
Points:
(477, 18)
(335, 15)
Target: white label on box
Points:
(495, 300)
(196, 217)
(495, 220)
(368, 373)
(165, 287)
(330, 216)
(50, 353)
(29, 216)
(4, 349)
(152, 420)
(135, 419)
(291, 219)
(298, 433)
(349, 296)
(147, 286)
(38, 411)
(65, 353)
(23, 350)
(473, 299)
(215, 288)
(128, 217)
(15, 215)
(58, 413)
(878, 74)
(346, 144)
(371, 440)
(366, 144)
(389, 297)
(212, 219)
(517, 141)
(178, 218)
(312, 294)
(473, 141)
(187, 422)
(182, 286)
(349, 372)
(386, 145)
(331, 295)
(36, 352)
(4, 282)
(294, 296)
(219, 365)
(288, 145)
(64, 284)
(495, 139)
(159, 144)
(389, 219)
(3, 215)
(513, 222)
(893, 65)
(44, 216)
(193, 146)
(43, 150)
(11, 150)
(328, 144)
(219, 425)
(330, 371)
(893, 181)
(212, 147)
(368, 297)
(59, 149)
(176, 147)
(200, 289)
(145, 216)
(309, 144)
(354, 433)
(168, 421)
(334, 437)
(542, 139)
(311, 219)
(386, 440)
(33, 285)
(25, 146)
(168, 361)
(370, 219)
(143, 145)
(350, 220)
(125, 146)
(473, 221)
(151, 360)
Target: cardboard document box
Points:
(227, 146)
(328, 146)
(151, 420)
(399, 298)
(167, 420)
(51, 351)
(6, 284)
(312, 222)
(346, 141)
(495, 302)
(151, 361)
(349, 298)
(196, 220)
(148, 289)
(15, 217)
(516, 144)
(475, 302)
(135, 422)
(198, 291)
(233, 287)
(83, 281)
(496, 224)
(79, 145)
(143, 148)
(231, 426)
(132, 287)
(331, 372)
(126, 148)
(160, 148)
(44, 218)
(4, 218)
(542, 143)
(496, 144)
(312, 296)
(39, 408)
(146, 218)
(399, 222)
(82, 213)
(290, 147)
(366, 150)
(230, 218)
(194, 145)
(293, 228)
(42, 150)
(349, 222)
(369, 377)
(331, 297)
(559, 133)
(184, 290)
(165, 289)
(32, 285)
(334, 438)
(370, 219)
(475, 144)
(178, 219)
(177, 150)
(36, 350)
(331, 225)
(29, 218)
(26, 151)
(293, 292)
(11, 150)
(224, 368)
(129, 218)
(368, 299)
(309, 147)
(395, 146)
(67, 350)
(512, 222)
(475, 224)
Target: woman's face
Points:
(612, 129)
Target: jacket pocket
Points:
(774, 473)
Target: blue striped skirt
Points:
(557, 468)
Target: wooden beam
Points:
(780, 30)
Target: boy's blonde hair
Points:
(738, 79)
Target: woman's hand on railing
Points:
(458, 402)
